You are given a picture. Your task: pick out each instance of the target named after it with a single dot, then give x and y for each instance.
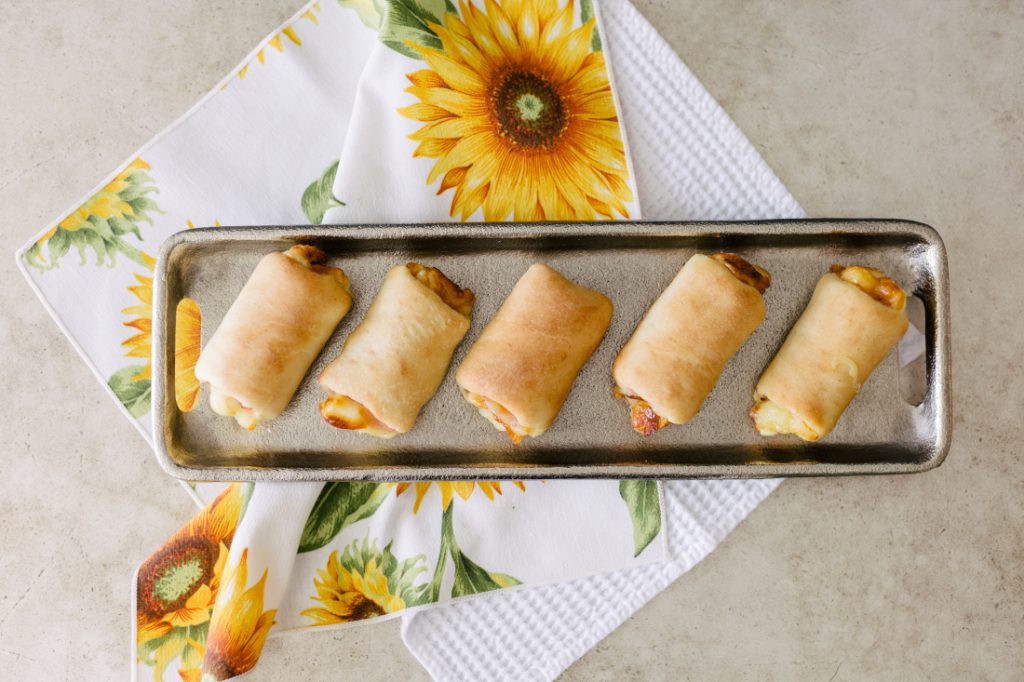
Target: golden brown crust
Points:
(455, 297)
(745, 271)
(677, 352)
(313, 259)
(528, 356)
(272, 333)
(874, 283)
(829, 353)
(394, 361)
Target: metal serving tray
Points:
(881, 432)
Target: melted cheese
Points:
(343, 412)
(772, 419)
(225, 405)
(874, 283)
(455, 297)
(314, 259)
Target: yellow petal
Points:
(201, 598)
(554, 24)
(457, 76)
(595, 105)
(446, 493)
(458, 43)
(547, 196)
(450, 128)
(424, 112)
(292, 36)
(152, 630)
(185, 617)
(464, 488)
(421, 490)
(503, 29)
(504, 187)
(591, 76)
(467, 200)
(425, 78)
(528, 28)
(451, 100)
(452, 178)
(462, 154)
(571, 53)
(480, 28)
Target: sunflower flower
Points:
(178, 584)
(518, 111)
(449, 489)
(364, 582)
(239, 625)
(187, 337)
(102, 222)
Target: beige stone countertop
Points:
(910, 109)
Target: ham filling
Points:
(499, 417)
(642, 416)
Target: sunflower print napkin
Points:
(379, 110)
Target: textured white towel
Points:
(692, 163)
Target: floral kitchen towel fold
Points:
(496, 110)
(511, 114)
(692, 163)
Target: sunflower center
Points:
(178, 580)
(364, 608)
(529, 111)
(173, 574)
(530, 107)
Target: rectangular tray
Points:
(881, 433)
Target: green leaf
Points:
(340, 505)
(58, 245)
(371, 12)
(417, 595)
(134, 395)
(246, 489)
(407, 20)
(586, 13)
(470, 577)
(644, 506)
(142, 206)
(120, 226)
(319, 196)
(586, 10)
(89, 239)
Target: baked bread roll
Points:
(675, 356)
(855, 317)
(521, 369)
(272, 333)
(393, 362)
